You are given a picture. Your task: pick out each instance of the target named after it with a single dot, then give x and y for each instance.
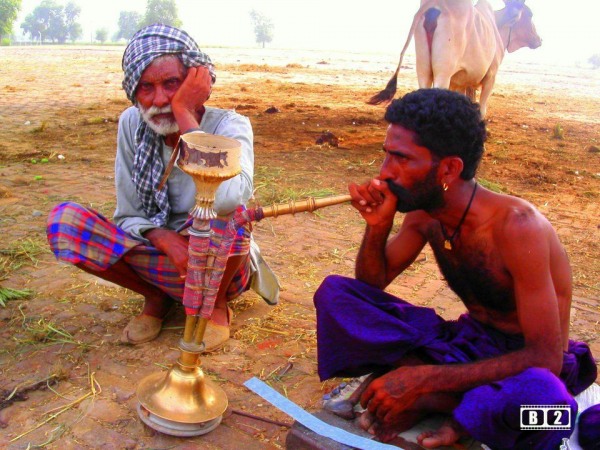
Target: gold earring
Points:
(445, 186)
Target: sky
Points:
(569, 30)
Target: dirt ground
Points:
(59, 348)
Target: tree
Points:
(53, 14)
(38, 22)
(52, 21)
(102, 35)
(595, 60)
(263, 27)
(74, 29)
(8, 13)
(161, 11)
(34, 27)
(129, 23)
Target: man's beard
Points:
(164, 126)
(426, 195)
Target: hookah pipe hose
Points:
(194, 331)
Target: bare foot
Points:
(447, 434)
(367, 421)
(387, 433)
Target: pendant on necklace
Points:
(447, 244)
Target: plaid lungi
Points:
(79, 235)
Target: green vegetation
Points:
(9, 9)
(7, 294)
(492, 185)
(42, 331)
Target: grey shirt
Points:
(129, 214)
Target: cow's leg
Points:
(424, 76)
(423, 59)
(424, 34)
(487, 85)
(471, 92)
(441, 80)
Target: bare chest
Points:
(474, 270)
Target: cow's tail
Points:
(390, 90)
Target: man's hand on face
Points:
(375, 202)
(173, 244)
(191, 96)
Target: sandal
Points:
(344, 399)
(216, 335)
(140, 329)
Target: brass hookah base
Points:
(184, 402)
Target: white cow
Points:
(460, 46)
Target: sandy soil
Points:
(66, 101)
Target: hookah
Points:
(184, 402)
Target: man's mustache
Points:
(396, 189)
(155, 110)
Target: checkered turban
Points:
(158, 40)
(145, 46)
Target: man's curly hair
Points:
(446, 122)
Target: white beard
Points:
(163, 127)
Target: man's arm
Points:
(524, 246)
(172, 244)
(190, 98)
(186, 104)
(379, 261)
(129, 214)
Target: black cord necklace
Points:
(448, 240)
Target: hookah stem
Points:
(200, 330)
(216, 265)
(188, 330)
(202, 322)
(191, 320)
(309, 205)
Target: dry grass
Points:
(295, 327)
(20, 253)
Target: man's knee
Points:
(67, 206)
(329, 290)
(63, 212)
(492, 413)
(537, 386)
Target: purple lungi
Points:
(589, 428)
(361, 329)
(79, 235)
